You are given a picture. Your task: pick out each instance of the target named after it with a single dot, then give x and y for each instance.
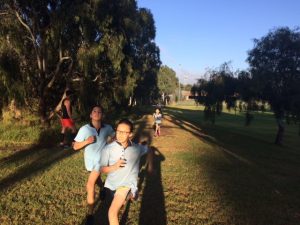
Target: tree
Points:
(146, 59)
(247, 92)
(220, 87)
(187, 87)
(167, 81)
(39, 35)
(101, 47)
(275, 66)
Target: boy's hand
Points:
(120, 163)
(91, 139)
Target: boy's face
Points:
(123, 133)
(96, 114)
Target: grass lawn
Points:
(204, 174)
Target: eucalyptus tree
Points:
(167, 81)
(218, 88)
(146, 57)
(44, 36)
(102, 47)
(275, 65)
(246, 89)
(124, 58)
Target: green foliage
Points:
(220, 87)
(107, 46)
(167, 81)
(11, 79)
(275, 63)
(275, 67)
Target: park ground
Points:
(203, 174)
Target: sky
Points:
(196, 35)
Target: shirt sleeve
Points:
(104, 157)
(111, 132)
(143, 149)
(81, 135)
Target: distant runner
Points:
(157, 120)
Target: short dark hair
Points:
(127, 122)
(97, 106)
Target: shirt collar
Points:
(98, 131)
(129, 144)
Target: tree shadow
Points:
(224, 137)
(257, 179)
(31, 161)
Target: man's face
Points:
(96, 114)
(123, 133)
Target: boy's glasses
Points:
(123, 132)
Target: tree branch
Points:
(96, 78)
(32, 37)
(26, 27)
(58, 106)
(51, 82)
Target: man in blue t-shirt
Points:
(93, 137)
(120, 160)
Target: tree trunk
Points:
(42, 104)
(280, 132)
(42, 112)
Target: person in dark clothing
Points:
(66, 119)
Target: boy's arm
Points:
(105, 168)
(81, 144)
(118, 165)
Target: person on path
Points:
(93, 137)
(120, 160)
(157, 120)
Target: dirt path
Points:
(170, 195)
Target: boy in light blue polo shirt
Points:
(93, 137)
(120, 160)
(92, 151)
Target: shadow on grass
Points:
(153, 209)
(258, 181)
(27, 162)
(226, 135)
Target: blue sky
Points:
(194, 35)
